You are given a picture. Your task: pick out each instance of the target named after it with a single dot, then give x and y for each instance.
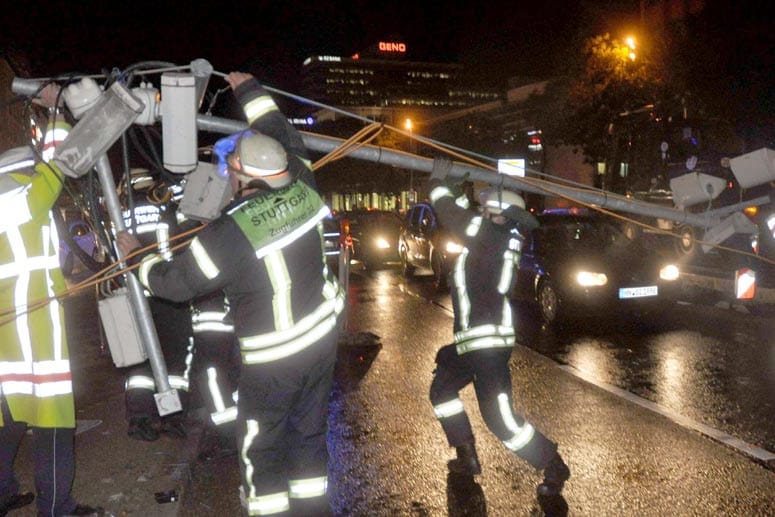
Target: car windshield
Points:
(581, 234)
(372, 220)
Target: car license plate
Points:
(638, 292)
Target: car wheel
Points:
(439, 275)
(548, 302)
(685, 245)
(406, 268)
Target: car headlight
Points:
(669, 272)
(589, 279)
(453, 247)
(381, 243)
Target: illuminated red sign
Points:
(387, 46)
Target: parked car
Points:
(424, 244)
(82, 235)
(374, 235)
(580, 263)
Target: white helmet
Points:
(141, 179)
(510, 206)
(260, 157)
(496, 200)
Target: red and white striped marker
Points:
(745, 284)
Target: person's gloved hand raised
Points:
(440, 171)
(440, 176)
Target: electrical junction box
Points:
(695, 187)
(754, 168)
(118, 320)
(205, 193)
(112, 113)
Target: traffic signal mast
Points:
(105, 115)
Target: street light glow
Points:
(408, 124)
(630, 41)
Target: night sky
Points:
(495, 40)
(275, 37)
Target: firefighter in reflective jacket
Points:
(266, 252)
(35, 378)
(484, 333)
(154, 222)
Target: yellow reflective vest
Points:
(35, 376)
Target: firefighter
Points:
(266, 253)
(484, 333)
(151, 216)
(35, 376)
(216, 367)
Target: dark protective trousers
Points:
(53, 450)
(489, 371)
(216, 366)
(173, 327)
(282, 423)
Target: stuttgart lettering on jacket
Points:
(271, 216)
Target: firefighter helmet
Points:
(496, 200)
(141, 179)
(257, 157)
(510, 206)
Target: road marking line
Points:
(711, 432)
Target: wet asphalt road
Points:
(389, 454)
(713, 363)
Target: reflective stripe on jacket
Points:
(482, 275)
(35, 373)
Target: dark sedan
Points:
(374, 236)
(581, 263)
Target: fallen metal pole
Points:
(602, 199)
(167, 399)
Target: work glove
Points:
(441, 168)
(440, 176)
(524, 221)
(223, 148)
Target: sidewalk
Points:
(118, 473)
(389, 455)
(113, 471)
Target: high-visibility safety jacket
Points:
(259, 253)
(483, 315)
(35, 376)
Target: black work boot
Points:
(12, 502)
(467, 462)
(556, 473)
(173, 426)
(214, 447)
(141, 428)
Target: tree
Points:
(611, 103)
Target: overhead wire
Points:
(357, 140)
